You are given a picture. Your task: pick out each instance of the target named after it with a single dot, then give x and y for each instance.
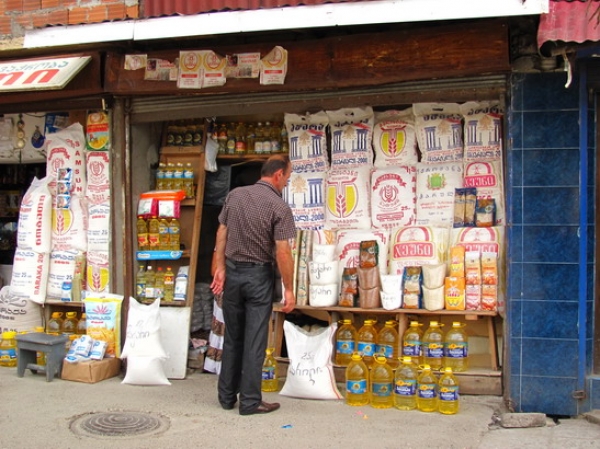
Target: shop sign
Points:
(40, 74)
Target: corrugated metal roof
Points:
(570, 21)
(158, 8)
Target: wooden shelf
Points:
(380, 311)
(171, 150)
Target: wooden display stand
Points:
(482, 377)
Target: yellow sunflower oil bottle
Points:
(40, 357)
(412, 343)
(269, 372)
(55, 323)
(81, 325)
(164, 242)
(433, 346)
(382, 383)
(448, 393)
(69, 325)
(456, 348)
(345, 345)
(387, 343)
(8, 349)
(357, 381)
(367, 341)
(427, 384)
(405, 385)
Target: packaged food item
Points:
(98, 350)
(473, 297)
(457, 261)
(459, 208)
(489, 268)
(368, 277)
(470, 203)
(411, 287)
(489, 297)
(369, 298)
(473, 267)
(369, 253)
(455, 293)
(349, 288)
(485, 212)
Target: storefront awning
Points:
(574, 22)
(40, 74)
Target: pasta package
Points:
(473, 267)
(454, 293)
(369, 253)
(349, 289)
(103, 318)
(457, 261)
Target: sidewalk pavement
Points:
(63, 414)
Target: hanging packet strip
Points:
(97, 131)
(273, 67)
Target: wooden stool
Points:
(53, 346)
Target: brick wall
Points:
(17, 16)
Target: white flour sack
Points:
(347, 197)
(61, 269)
(417, 246)
(35, 215)
(348, 248)
(30, 275)
(393, 197)
(351, 137)
(17, 313)
(98, 176)
(98, 231)
(487, 178)
(483, 130)
(439, 132)
(69, 226)
(97, 272)
(66, 151)
(308, 141)
(436, 184)
(305, 193)
(485, 240)
(394, 138)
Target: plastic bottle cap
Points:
(407, 360)
(433, 323)
(9, 335)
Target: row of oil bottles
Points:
(150, 284)
(175, 176)
(433, 348)
(71, 325)
(158, 234)
(251, 138)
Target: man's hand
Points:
(218, 281)
(289, 301)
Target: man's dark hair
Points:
(275, 163)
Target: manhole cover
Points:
(119, 424)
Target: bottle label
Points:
(7, 355)
(366, 349)
(345, 347)
(456, 350)
(449, 393)
(412, 348)
(382, 389)
(427, 391)
(153, 241)
(406, 387)
(386, 350)
(434, 350)
(142, 240)
(356, 386)
(140, 290)
(268, 373)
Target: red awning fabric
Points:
(570, 22)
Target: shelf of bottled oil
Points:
(250, 139)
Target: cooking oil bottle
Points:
(412, 343)
(269, 372)
(169, 285)
(427, 399)
(448, 392)
(367, 341)
(382, 383)
(8, 349)
(387, 343)
(70, 323)
(140, 284)
(456, 348)
(153, 234)
(150, 279)
(433, 346)
(188, 180)
(163, 235)
(357, 381)
(55, 323)
(345, 343)
(40, 357)
(81, 325)
(405, 385)
(142, 233)
(174, 234)
(159, 283)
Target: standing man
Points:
(255, 228)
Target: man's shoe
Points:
(227, 406)
(263, 407)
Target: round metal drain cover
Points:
(119, 424)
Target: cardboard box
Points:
(91, 371)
